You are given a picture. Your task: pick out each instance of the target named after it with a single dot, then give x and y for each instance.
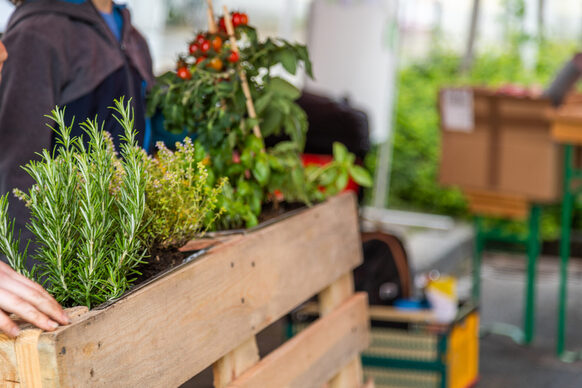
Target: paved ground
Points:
(505, 364)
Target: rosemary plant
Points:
(87, 212)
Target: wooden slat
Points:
(9, 376)
(197, 314)
(497, 204)
(349, 376)
(336, 293)
(204, 243)
(333, 296)
(568, 132)
(235, 363)
(384, 313)
(27, 358)
(313, 356)
(19, 359)
(369, 384)
(392, 314)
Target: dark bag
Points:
(329, 121)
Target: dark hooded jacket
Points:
(63, 53)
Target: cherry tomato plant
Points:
(211, 105)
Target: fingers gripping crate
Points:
(409, 350)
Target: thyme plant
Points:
(182, 198)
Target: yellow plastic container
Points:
(463, 352)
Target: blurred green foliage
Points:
(414, 177)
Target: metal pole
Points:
(384, 159)
(468, 57)
(567, 203)
(477, 255)
(533, 248)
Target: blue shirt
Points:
(114, 21)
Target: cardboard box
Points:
(501, 143)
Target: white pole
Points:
(384, 159)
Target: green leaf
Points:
(251, 220)
(246, 158)
(262, 102)
(304, 55)
(231, 140)
(254, 144)
(328, 177)
(288, 60)
(225, 87)
(284, 147)
(255, 204)
(250, 123)
(275, 163)
(283, 88)
(295, 133)
(342, 180)
(283, 104)
(261, 170)
(244, 188)
(271, 122)
(234, 169)
(361, 176)
(340, 152)
(298, 179)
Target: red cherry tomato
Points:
(236, 19)
(244, 19)
(215, 63)
(216, 43)
(221, 25)
(200, 59)
(205, 46)
(233, 57)
(200, 38)
(184, 73)
(193, 48)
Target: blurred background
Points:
(388, 59)
(406, 51)
(414, 47)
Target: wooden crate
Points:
(208, 312)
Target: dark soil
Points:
(272, 210)
(159, 261)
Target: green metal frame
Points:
(570, 175)
(532, 243)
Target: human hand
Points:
(29, 301)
